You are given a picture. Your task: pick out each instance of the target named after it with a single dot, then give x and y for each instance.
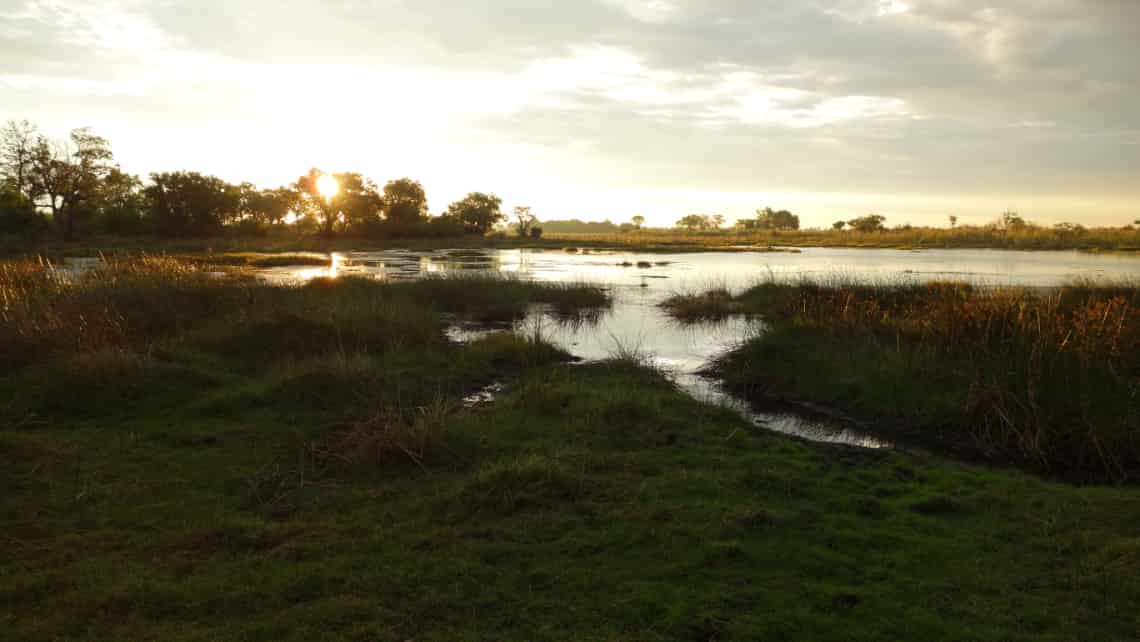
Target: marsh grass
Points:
(339, 490)
(1050, 377)
(709, 305)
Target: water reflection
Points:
(639, 282)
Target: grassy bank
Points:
(239, 251)
(1125, 239)
(1047, 378)
(186, 457)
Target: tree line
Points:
(74, 187)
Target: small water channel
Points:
(639, 282)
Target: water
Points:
(639, 282)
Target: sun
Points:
(327, 186)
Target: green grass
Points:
(592, 502)
(1049, 379)
(296, 464)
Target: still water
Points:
(639, 282)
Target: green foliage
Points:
(191, 204)
(477, 212)
(770, 219)
(867, 224)
(701, 222)
(18, 216)
(405, 201)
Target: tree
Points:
(356, 204)
(360, 205)
(1069, 229)
(637, 221)
(691, 222)
(191, 204)
(716, 221)
(68, 176)
(526, 220)
(267, 206)
(478, 212)
(953, 221)
(868, 223)
(1011, 220)
(312, 204)
(18, 214)
(405, 201)
(121, 204)
(18, 142)
(839, 225)
(770, 219)
(694, 222)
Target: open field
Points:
(187, 457)
(1050, 379)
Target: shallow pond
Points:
(639, 282)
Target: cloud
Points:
(890, 96)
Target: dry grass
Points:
(1029, 237)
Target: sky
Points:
(594, 109)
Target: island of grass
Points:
(191, 457)
(1049, 378)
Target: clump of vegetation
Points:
(503, 299)
(702, 306)
(1048, 377)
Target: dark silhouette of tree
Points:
(405, 201)
(637, 221)
(121, 205)
(868, 223)
(18, 143)
(267, 206)
(770, 219)
(700, 222)
(478, 212)
(526, 220)
(66, 176)
(191, 204)
(693, 222)
(839, 225)
(1011, 220)
(357, 203)
(18, 215)
(953, 221)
